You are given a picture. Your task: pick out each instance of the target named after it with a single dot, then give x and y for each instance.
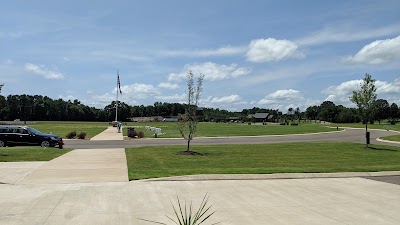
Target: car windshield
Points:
(34, 131)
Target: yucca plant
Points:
(186, 216)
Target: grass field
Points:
(229, 129)
(163, 161)
(21, 154)
(384, 126)
(63, 128)
(392, 138)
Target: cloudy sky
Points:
(270, 54)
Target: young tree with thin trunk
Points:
(365, 99)
(187, 124)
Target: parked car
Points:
(24, 135)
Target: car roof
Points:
(7, 126)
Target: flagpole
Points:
(116, 101)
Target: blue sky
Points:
(269, 54)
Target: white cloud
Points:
(284, 99)
(138, 91)
(172, 98)
(266, 50)
(211, 71)
(130, 94)
(230, 99)
(384, 87)
(341, 93)
(42, 71)
(378, 52)
(66, 98)
(229, 102)
(340, 33)
(224, 51)
(168, 86)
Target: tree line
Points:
(43, 108)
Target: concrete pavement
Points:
(238, 202)
(81, 166)
(109, 134)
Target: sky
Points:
(267, 54)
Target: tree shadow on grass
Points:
(383, 149)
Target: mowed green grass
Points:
(209, 129)
(384, 126)
(63, 128)
(21, 154)
(163, 161)
(392, 138)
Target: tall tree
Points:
(365, 99)
(394, 112)
(382, 110)
(188, 121)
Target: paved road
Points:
(349, 135)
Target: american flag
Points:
(119, 83)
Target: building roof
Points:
(261, 115)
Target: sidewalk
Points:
(82, 166)
(110, 134)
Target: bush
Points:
(294, 124)
(82, 135)
(140, 134)
(132, 133)
(71, 135)
(282, 124)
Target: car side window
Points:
(15, 131)
(23, 131)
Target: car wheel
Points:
(45, 144)
(2, 143)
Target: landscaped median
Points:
(391, 138)
(24, 154)
(163, 161)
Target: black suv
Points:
(23, 135)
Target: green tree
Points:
(365, 99)
(394, 112)
(382, 110)
(1, 86)
(188, 121)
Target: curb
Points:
(387, 141)
(206, 177)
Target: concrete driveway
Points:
(242, 202)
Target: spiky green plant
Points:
(186, 216)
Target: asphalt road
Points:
(348, 135)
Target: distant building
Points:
(147, 119)
(170, 119)
(262, 117)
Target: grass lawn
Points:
(385, 126)
(392, 138)
(21, 154)
(210, 129)
(63, 128)
(163, 161)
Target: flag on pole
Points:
(119, 84)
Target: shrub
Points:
(294, 124)
(71, 135)
(132, 133)
(282, 124)
(140, 134)
(82, 135)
